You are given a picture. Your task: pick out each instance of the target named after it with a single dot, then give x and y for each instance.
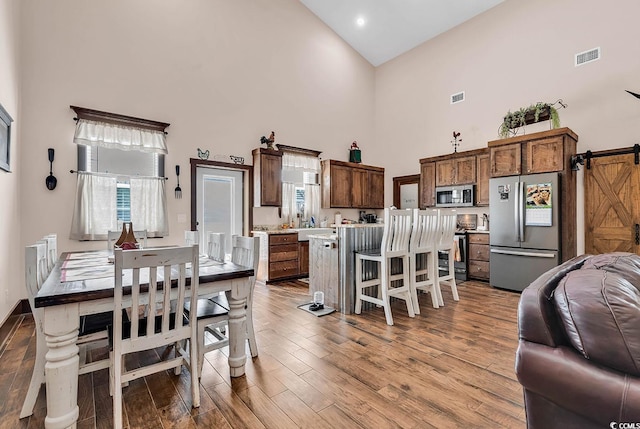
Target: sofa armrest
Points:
(572, 382)
(537, 319)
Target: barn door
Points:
(612, 205)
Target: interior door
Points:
(221, 195)
(612, 206)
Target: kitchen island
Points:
(340, 247)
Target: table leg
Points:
(61, 325)
(237, 298)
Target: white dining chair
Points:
(445, 242)
(92, 328)
(52, 249)
(215, 246)
(152, 269)
(112, 237)
(190, 238)
(423, 259)
(213, 313)
(395, 244)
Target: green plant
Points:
(528, 115)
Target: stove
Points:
(465, 222)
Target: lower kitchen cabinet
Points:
(283, 256)
(478, 256)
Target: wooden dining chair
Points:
(213, 313)
(395, 244)
(423, 256)
(215, 246)
(151, 270)
(445, 242)
(92, 330)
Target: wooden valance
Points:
(298, 150)
(117, 119)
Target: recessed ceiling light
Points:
(360, 21)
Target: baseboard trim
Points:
(12, 322)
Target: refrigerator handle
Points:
(516, 209)
(521, 205)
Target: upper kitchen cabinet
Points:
(505, 160)
(267, 165)
(427, 184)
(482, 183)
(457, 170)
(351, 185)
(542, 152)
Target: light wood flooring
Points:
(447, 368)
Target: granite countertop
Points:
(294, 230)
(360, 225)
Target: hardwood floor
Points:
(447, 368)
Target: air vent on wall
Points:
(587, 56)
(457, 98)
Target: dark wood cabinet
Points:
(543, 152)
(303, 258)
(375, 195)
(267, 165)
(478, 259)
(482, 182)
(457, 170)
(283, 256)
(351, 185)
(460, 168)
(505, 160)
(545, 155)
(427, 184)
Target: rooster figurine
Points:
(269, 141)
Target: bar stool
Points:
(395, 244)
(423, 256)
(445, 242)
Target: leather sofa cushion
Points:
(599, 308)
(626, 265)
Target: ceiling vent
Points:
(587, 56)
(457, 98)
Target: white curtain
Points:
(312, 202)
(94, 133)
(149, 205)
(300, 162)
(294, 168)
(289, 201)
(95, 207)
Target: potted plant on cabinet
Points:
(538, 112)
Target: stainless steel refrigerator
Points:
(525, 233)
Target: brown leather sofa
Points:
(578, 357)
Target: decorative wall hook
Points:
(51, 180)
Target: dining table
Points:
(82, 283)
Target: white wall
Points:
(11, 250)
(516, 54)
(222, 73)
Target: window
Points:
(123, 202)
(300, 187)
(120, 175)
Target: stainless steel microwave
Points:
(454, 196)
